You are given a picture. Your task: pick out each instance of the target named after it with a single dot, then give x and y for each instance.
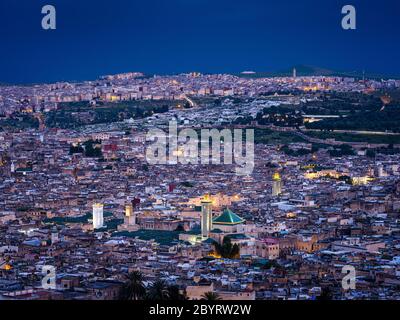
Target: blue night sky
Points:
(97, 37)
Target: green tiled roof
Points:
(237, 236)
(228, 217)
(160, 236)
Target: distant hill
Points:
(307, 71)
(313, 71)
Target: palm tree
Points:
(174, 294)
(210, 296)
(133, 289)
(158, 291)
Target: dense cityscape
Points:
(79, 198)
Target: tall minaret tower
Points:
(130, 215)
(130, 221)
(294, 73)
(276, 184)
(98, 216)
(206, 216)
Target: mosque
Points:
(215, 227)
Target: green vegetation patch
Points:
(77, 114)
(350, 137)
(161, 237)
(90, 148)
(381, 120)
(80, 219)
(19, 122)
(267, 136)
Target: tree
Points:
(93, 148)
(326, 294)
(174, 294)
(211, 296)
(158, 291)
(371, 153)
(227, 250)
(180, 228)
(133, 289)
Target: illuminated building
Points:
(98, 217)
(358, 181)
(310, 88)
(6, 266)
(321, 174)
(206, 216)
(276, 184)
(218, 201)
(130, 216)
(130, 222)
(128, 210)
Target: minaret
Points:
(206, 216)
(130, 221)
(54, 236)
(276, 184)
(294, 73)
(98, 217)
(130, 216)
(128, 210)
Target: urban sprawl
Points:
(78, 197)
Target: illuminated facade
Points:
(218, 200)
(322, 174)
(130, 215)
(276, 184)
(130, 221)
(359, 181)
(128, 210)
